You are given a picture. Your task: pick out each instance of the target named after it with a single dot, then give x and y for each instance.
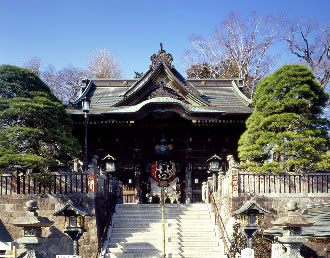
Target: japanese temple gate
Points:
(193, 118)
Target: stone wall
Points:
(56, 242)
(227, 204)
(96, 193)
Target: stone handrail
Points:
(236, 182)
(66, 183)
(219, 222)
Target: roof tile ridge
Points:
(83, 94)
(247, 101)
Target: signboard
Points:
(91, 182)
(277, 250)
(163, 171)
(235, 182)
(247, 253)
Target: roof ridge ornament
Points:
(161, 57)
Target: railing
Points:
(114, 191)
(225, 184)
(219, 223)
(54, 184)
(285, 183)
(236, 182)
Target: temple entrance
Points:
(150, 191)
(198, 177)
(141, 188)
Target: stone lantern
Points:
(249, 215)
(74, 215)
(31, 224)
(292, 225)
(214, 168)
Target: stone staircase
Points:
(189, 229)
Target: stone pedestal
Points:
(292, 225)
(31, 224)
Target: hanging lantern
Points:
(214, 164)
(86, 104)
(163, 171)
(109, 163)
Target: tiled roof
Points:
(223, 98)
(115, 95)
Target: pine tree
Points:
(35, 130)
(286, 131)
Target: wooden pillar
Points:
(188, 176)
(188, 185)
(138, 189)
(137, 175)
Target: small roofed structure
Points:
(251, 207)
(249, 217)
(72, 209)
(74, 214)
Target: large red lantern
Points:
(163, 171)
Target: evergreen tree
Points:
(285, 131)
(35, 130)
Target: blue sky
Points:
(64, 32)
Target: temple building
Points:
(189, 121)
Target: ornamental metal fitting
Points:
(161, 58)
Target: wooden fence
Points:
(55, 184)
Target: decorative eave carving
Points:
(160, 58)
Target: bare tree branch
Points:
(33, 64)
(243, 43)
(66, 83)
(310, 43)
(103, 65)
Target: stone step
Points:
(148, 248)
(159, 216)
(169, 238)
(159, 208)
(157, 254)
(158, 244)
(167, 208)
(166, 220)
(134, 206)
(167, 230)
(159, 213)
(183, 226)
(169, 233)
(189, 231)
